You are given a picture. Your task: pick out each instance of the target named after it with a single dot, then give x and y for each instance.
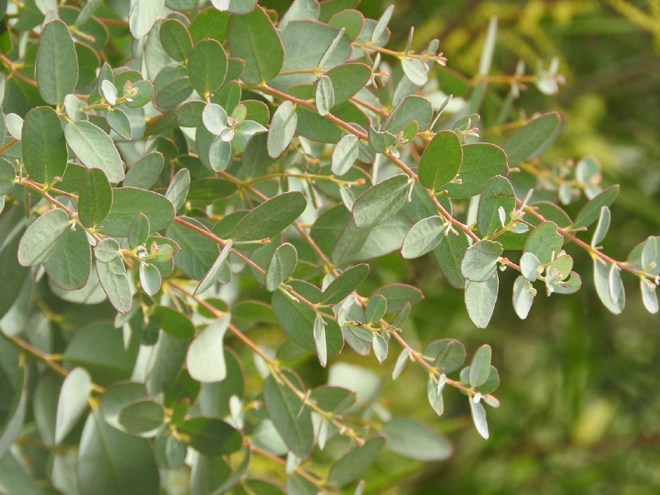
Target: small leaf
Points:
(324, 96)
(449, 354)
(115, 283)
(280, 266)
(214, 118)
(381, 201)
(435, 397)
(489, 47)
(529, 265)
(415, 71)
(144, 172)
(480, 366)
(481, 161)
(381, 25)
(14, 125)
(602, 283)
(108, 91)
(398, 295)
(523, 297)
(479, 418)
(211, 436)
(449, 254)
(177, 191)
(118, 122)
(282, 129)
(545, 242)
(617, 291)
(207, 66)
(320, 341)
(205, 357)
(72, 402)
(291, 419)
(480, 261)
(44, 238)
(94, 148)
(441, 160)
(480, 299)
(346, 283)
(649, 297)
(142, 417)
(14, 423)
(376, 308)
(591, 211)
(71, 267)
(380, 346)
(497, 193)
(44, 146)
(423, 237)
(401, 362)
(57, 63)
(107, 250)
(150, 279)
(216, 270)
(95, 199)
(345, 154)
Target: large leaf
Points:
(480, 299)
(498, 193)
(414, 440)
(115, 283)
(128, 202)
(481, 161)
(282, 129)
(112, 462)
(344, 284)
(72, 401)
(441, 160)
(350, 466)
(57, 63)
(44, 238)
(292, 421)
(212, 436)
(95, 198)
(142, 15)
(590, 211)
(254, 39)
(94, 148)
(43, 145)
(198, 252)
(207, 66)
(280, 266)
(545, 242)
(71, 267)
(530, 138)
(381, 201)
(423, 237)
(205, 356)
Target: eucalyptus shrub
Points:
(223, 177)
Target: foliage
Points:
(224, 177)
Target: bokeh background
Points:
(580, 387)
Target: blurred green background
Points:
(580, 405)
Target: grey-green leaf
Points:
(95, 199)
(545, 242)
(416, 441)
(207, 66)
(94, 148)
(280, 266)
(529, 139)
(351, 465)
(177, 191)
(480, 299)
(72, 401)
(44, 146)
(479, 418)
(381, 201)
(142, 417)
(128, 202)
(44, 238)
(215, 272)
(324, 95)
(115, 284)
(205, 357)
(142, 15)
(590, 211)
(282, 129)
(320, 342)
(423, 237)
(344, 155)
(270, 217)
(480, 261)
(523, 297)
(344, 284)
(497, 193)
(57, 63)
(480, 366)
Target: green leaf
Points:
(324, 96)
(441, 160)
(71, 267)
(292, 421)
(410, 109)
(142, 417)
(177, 191)
(138, 232)
(142, 15)
(380, 142)
(480, 299)
(190, 113)
(320, 341)
(545, 242)
(270, 217)
(128, 202)
(401, 362)
(498, 193)
(214, 118)
(348, 79)
(211, 436)
(172, 322)
(254, 39)
(300, 9)
(590, 211)
(423, 237)
(296, 319)
(376, 308)
(112, 462)
(7, 176)
(398, 295)
(602, 227)
(118, 122)
(434, 396)
(44, 147)
(345, 154)
(150, 279)
(198, 252)
(282, 129)
(481, 161)
(280, 266)
(176, 40)
(537, 134)
(95, 199)
(57, 63)
(415, 441)
(209, 23)
(145, 91)
(216, 271)
(415, 71)
(144, 172)
(480, 366)
(207, 66)
(353, 464)
(449, 354)
(13, 426)
(44, 238)
(94, 148)
(523, 297)
(173, 93)
(205, 357)
(115, 284)
(170, 453)
(479, 418)
(14, 125)
(381, 201)
(165, 362)
(107, 250)
(480, 261)
(344, 284)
